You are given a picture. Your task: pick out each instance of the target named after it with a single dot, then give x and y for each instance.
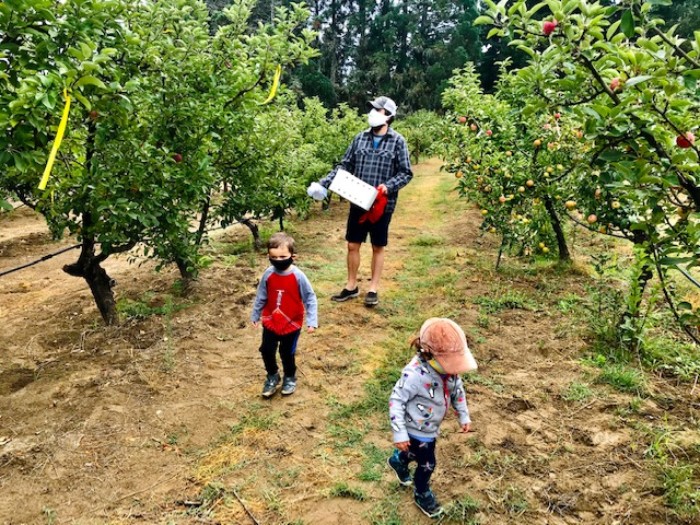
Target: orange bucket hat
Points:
(446, 341)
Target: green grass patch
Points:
(671, 358)
(235, 248)
(676, 463)
(681, 492)
(343, 490)
(505, 300)
(462, 511)
(491, 461)
(577, 392)
(386, 510)
(427, 240)
(149, 305)
(373, 462)
(623, 379)
(514, 501)
(474, 378)
(570, 303)
(346, 435)
(257, 417)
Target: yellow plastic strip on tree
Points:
(275, 85)
(56, 142)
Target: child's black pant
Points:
(423, 453)
(287, 348)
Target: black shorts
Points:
(356, 232)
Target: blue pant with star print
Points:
(423, 453)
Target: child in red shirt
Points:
(283, 294)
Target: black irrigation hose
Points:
(688, 276)
(64, 250)
(44, 258)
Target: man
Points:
(378, 156)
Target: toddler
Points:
(283, 294)
(419, 402)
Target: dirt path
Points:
(160, 420)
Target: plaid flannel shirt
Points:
(389, 164)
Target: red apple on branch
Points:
(549, 26)
(685, 141)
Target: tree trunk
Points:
(187, 274)
(564, 255)
(647, 272)
(203, 219)
(500, 253)
(101, 287)
(88, 267)
(254, 230)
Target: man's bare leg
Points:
(353, 261)
(377, 267)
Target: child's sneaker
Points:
(400, 469)
(428, 504)
(270, 386)
(289, 385)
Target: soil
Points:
(134, 424)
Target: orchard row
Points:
(598, 128)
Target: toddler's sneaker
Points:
(289, 385)
(401, 470)
(428, 504)
(270, 386)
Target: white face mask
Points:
(376, 119)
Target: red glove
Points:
(377, 210)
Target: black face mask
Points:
(281, 264)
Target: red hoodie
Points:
(283, 312)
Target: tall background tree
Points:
(410, 48)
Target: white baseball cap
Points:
(384, 103)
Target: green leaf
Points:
(87, 51)
(627, 23)
(83, 100)
(611, 155)
(591, 112)
(483, 20)
(534, 10)
(495, 31)
(690, 83)
(637, 80)
(612, 29)
(571, 5)
(528, 50)
(89, 80)
(674, 261)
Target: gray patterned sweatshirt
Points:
(420, 398)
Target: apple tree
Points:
(633, 86)
(421, 129)
(158, 102)
(511, 163)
